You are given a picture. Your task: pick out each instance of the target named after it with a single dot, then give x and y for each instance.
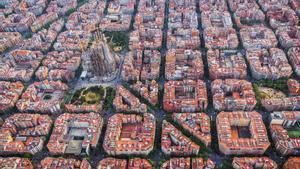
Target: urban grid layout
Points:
(149, 84)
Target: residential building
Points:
(295, 5)
(145, 38)
(61, 7)
(9, 40)
(292, 163)
(66, 61)
(36, 7)
(211, 5)
(281, 125)
(55, 163)
(253, 162)
(133, 163)
(9, 94)
(141, 65)
(130, 134)
(289, 36)
(184, 64)
(282, 17)
(268, 63)
(43, 39)
(185, 96)
(293, 55)
(43, 20)
(220, 38)
(15, 162)
(241, 133)
(174, 143)
(181, 38)
(125, 101)
(72, 40)
(219, 19)
(148, 90)
(224, 64)
(139, 163)
(8, 6)
(115, 22)
(75, 134)
(267, 5)
(87, 17)
(44, 97)
(150, 14)
(258, 37)
(19, 65)
(248, 15)
(182, 14)
(24, 133)
(236, 5)
(197, 124)
(20, 22)
(233, 95)
(112, 163)
(188, 163)
(118, 17)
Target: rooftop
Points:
(15, 162)
(188, 163)
(42, 97)
(175, 143)
(54, 163)
(184, 64)
(268, 63)
(197, 124)
(122, 163)
(125, 101)
(130, 134)
(141, 65)
(24, 133)
(258, 37)
(75, 133)
(291, 163)
(253, 162)
(293, 55)
(284, 126)
(232, 95)
(185, 96)
(19, 65)
(220, 38)
(226, 64)
(9, 94)
(231, 128)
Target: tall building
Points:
(99, 60)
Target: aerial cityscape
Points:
(149, 84)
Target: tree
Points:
(118, 39)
